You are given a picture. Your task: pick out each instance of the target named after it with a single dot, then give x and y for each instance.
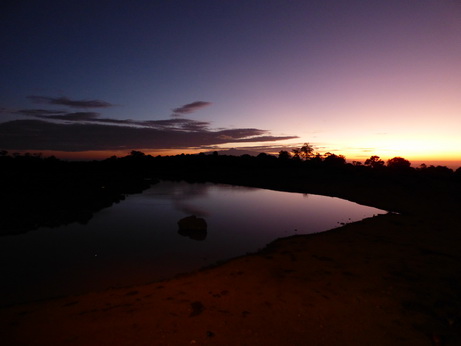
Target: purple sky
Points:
(351, 77)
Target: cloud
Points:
(190, 107)
(240, 133)
(78, 116)
(59, 115)
(38, 112)
(61, 130)
(64, 101)
(178, 123)
(86, 136)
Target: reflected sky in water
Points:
(137, 240)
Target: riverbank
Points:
(389, 280)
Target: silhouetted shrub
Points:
(398, 163)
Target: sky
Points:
(92, 79)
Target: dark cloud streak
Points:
(61, 130)
(190, 108)
(38, 112)
(78, 116)
(44, 135)
(64, 101)
(178, 123)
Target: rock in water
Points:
(192, 223)
(193, 227)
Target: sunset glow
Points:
(357, 79)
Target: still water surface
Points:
(137, 240)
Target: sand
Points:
(394, 279)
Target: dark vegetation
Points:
(44, 191)
(415, 255)
(38, 191)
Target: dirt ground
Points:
(390, 280)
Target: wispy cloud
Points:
(64, 101)
(78, 116)
(178, 124)
(37, 112)
(59, 115)
(182, 124)
(190, 107)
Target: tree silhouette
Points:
(296, 154)
(374, 162)
(284, 155)
(137, 154)
(307, 151)
(334, 160)
(435, 171)
(304, 153)
(398, 163)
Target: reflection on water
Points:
(139, 239)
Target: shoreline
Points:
(387, 280)
(19, 294)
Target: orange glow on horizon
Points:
(103, 154)
(451, 161)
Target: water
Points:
(137, 240)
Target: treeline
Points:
(45, 191)
(298, 159)
(41, 191)
(139, 164)
(396, 164)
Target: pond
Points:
(137, 240)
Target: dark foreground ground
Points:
(389, 280)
